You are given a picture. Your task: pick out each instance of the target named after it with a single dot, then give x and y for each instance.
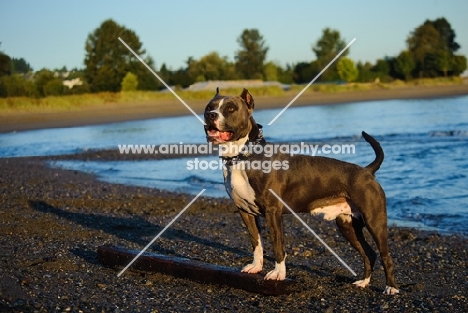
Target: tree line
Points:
(110, 66)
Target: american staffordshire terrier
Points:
(345, 192)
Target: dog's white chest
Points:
(238, 187)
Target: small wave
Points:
(124, 130)
(416, 201)
(193, 179)
(420, 210)
(449, 133)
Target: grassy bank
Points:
(75, 102)
(332, 88)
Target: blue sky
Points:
(52, 33)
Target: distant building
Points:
(73, 82)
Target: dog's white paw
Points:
(390, 291)
(279, 273)
(275, 275)
(257, 264)
(252, 268)
(362, 283)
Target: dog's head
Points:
(227, 118)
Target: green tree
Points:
(285, 75)
(365, 74)
(20, 66)
(180, 78)
(41, 78)
(381, 70)
(16, 86)
(404, 64)
(446, 33)
(165, 73)
(211, 67)
(303, 72)
(424, 43)
(270, 71)
(5, 63)
(325, 49)
(54, 87)
(459, 64)
(129, 82)
(329, 45)
(443, 62)
(347, 69)
(3, 87)
(107, 60)
(252, 54)
(433, 46)
(146, 79)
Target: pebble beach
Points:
(52, 222)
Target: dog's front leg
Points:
(275, 225)
(254, 233)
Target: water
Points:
(425, 141)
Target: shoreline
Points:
(113, 155)
(114, 113)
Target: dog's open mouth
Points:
(215, 134)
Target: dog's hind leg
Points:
(379, 232)
(351, 228)
(251, 222)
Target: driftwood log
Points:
(194, 270)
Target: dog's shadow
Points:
(136, 229)
(133, 228)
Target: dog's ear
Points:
(247, 97)
(217, 91)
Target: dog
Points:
(341, 191)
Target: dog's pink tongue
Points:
(225, 136)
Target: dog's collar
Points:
(257, 140)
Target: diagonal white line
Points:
(161, 80)
(161, 232)
(312, 231)
(312, 81)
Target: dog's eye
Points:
(231, 109)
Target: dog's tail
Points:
(379, 154)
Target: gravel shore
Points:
(52, 221)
